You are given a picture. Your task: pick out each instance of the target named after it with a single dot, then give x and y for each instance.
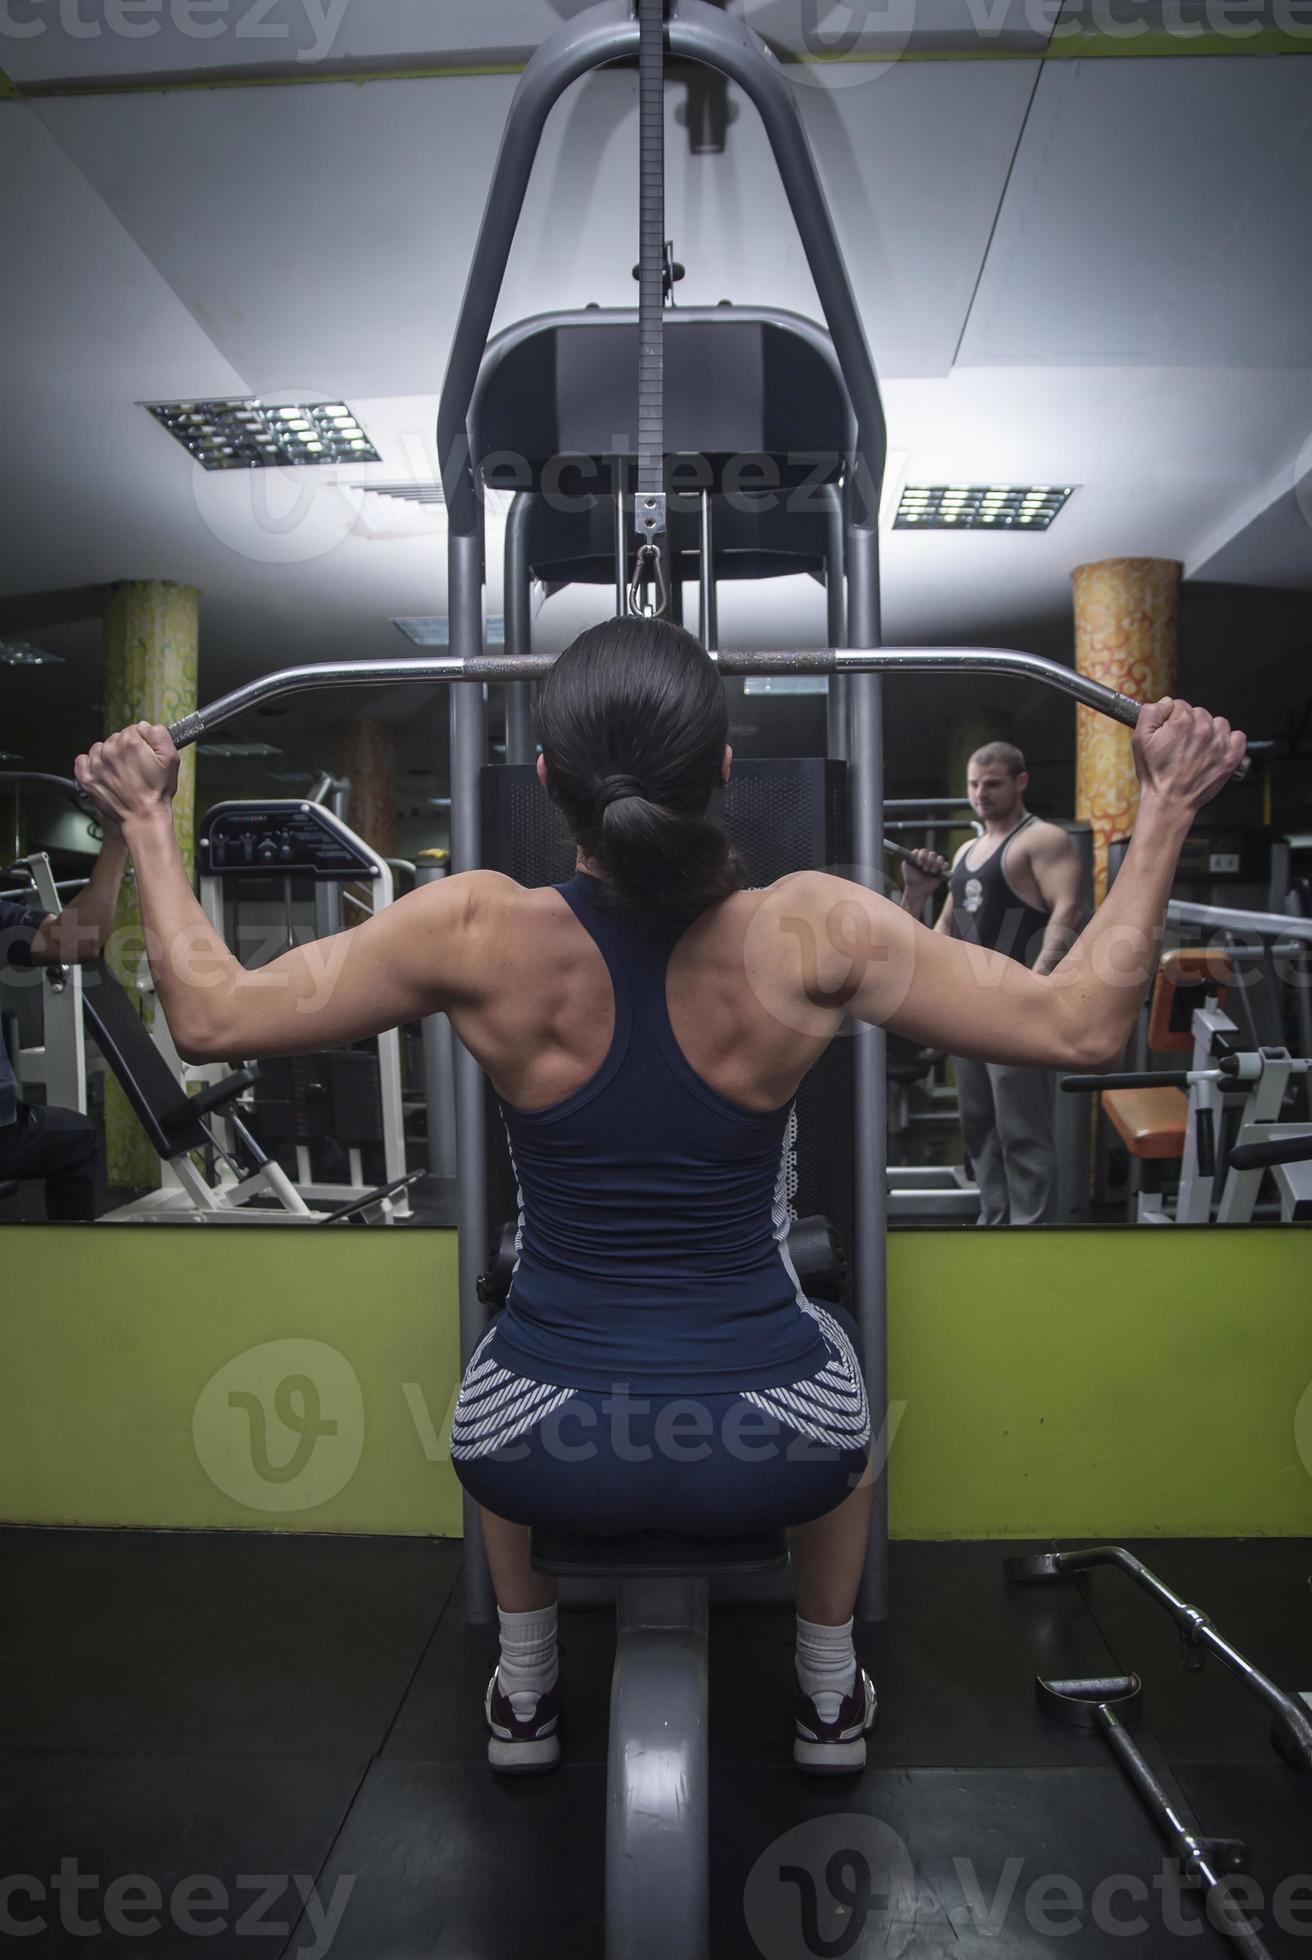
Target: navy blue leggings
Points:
(705, 1465)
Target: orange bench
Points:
(1151, 1123)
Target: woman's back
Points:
(646, 1096)
(542, 1023)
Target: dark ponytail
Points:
(633, 723)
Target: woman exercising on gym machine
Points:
(646, 1026)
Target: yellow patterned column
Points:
(151, 639)
(1126, 618)
(369, 762)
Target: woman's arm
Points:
(842, 949)
(416, 957)
(424, 953)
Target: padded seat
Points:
(9, 1188)
(655, 1554)
(1151, 1123)
(1185, 978)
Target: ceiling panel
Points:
(319, 239)
(134, 40)
(76, 43)
(88, 328)
(322, 236)
(93, 40)
(1273, 548)
(1159, 212)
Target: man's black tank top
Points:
(988, 911)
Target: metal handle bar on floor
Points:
(1196, 1630)
(1202, 1857)
(521, 667)
(1112, 1704)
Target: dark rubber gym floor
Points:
(267, 1719)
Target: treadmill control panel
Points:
(283, 840)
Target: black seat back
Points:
(754, 401)
(159, 1102)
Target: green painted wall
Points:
(185, 1376)
(1122, 1382)
(1110, 1383)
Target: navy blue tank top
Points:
(653, 1211)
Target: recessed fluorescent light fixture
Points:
(787, 684)
(440, 802)
(18, 653)
(250, 435)
(231, 751)
(406, 493)
(434, 632)
(982, 507)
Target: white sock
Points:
(528, 1665)
(826, 1664)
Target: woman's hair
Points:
(633, 723)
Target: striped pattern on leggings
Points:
(495, 1406)
(830, 1407)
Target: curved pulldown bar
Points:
(518, 667)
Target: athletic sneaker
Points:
(834, 1748)
(521, 1745)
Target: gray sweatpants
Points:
(1007, 1121)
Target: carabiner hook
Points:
(638, 607)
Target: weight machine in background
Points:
(287, 868)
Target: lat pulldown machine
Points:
(692, 31)
(657, 1865)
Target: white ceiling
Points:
(1158, 215)
(1096, 272)
(55, 41)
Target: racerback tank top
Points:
(988, 911)
(651, 1242)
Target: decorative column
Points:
(1126, 621)
(369, 761)
(151, 641)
